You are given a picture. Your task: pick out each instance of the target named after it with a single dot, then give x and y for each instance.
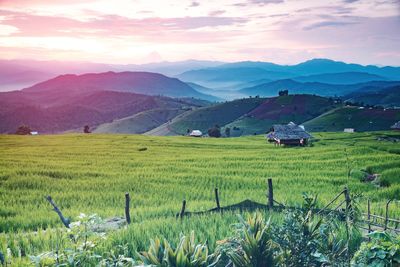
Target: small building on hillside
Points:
(290, 134)
(396, 126)
(196, 133)
(349, 130)
(34, 133)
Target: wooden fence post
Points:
(347, 198)
(270, 194)
(387, 214)
(127, 213)
(65, 221)
(369, 218)
(182, 213)
(217, 198)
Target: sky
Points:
(136, 31)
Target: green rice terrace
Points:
(91, 173)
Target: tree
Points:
(86, 129)
(283, 92)
(228, 132)
(214, 131)
(23, 130)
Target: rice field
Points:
(91, 173)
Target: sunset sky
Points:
(135, 31)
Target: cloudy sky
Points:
(136, 31)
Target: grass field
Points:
(91, 173)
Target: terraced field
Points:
(91, 173)
(362, 119)
(253, 115)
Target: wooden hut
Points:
(396, 126)
(196, 133)
(290, 134)
(349, 130)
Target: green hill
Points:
(362, 119)
(283, 109)
(139, 123)
(253, 115)
(386, 97)
(221, 114)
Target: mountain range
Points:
(315, 70)
(70, 101)
(135, 82)
(18, 74)
(323, 89)
(153, 103)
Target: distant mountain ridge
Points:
(315, 70)
(135, 82)
(18, 74)
(342, 78)
(322, 89)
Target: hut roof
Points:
(196, 133)
(288, 132)
(396, 126)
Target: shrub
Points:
(187, 253)
(382, 250)
(299, 238)
(253, 244)
(227, 132)
(390, 177)
(86, 129)
(75, 246)
(23, 130)
(214, 131)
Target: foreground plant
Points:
(116, 259)
(76, 247)
(382, 250)
(253, 245)
(299, 235)
(188, 253)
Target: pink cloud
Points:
(224, 30)
(109, 25)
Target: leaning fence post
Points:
(217, 198)
(387, 214)
(127, 214)
(347, 198)
(270, 194)
(182, 213)
(369, 217)
(65, 221)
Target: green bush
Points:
(382, 250)
(302, 239)
(188, 253)
(390, 177)
(253, 244)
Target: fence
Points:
(369, 222)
